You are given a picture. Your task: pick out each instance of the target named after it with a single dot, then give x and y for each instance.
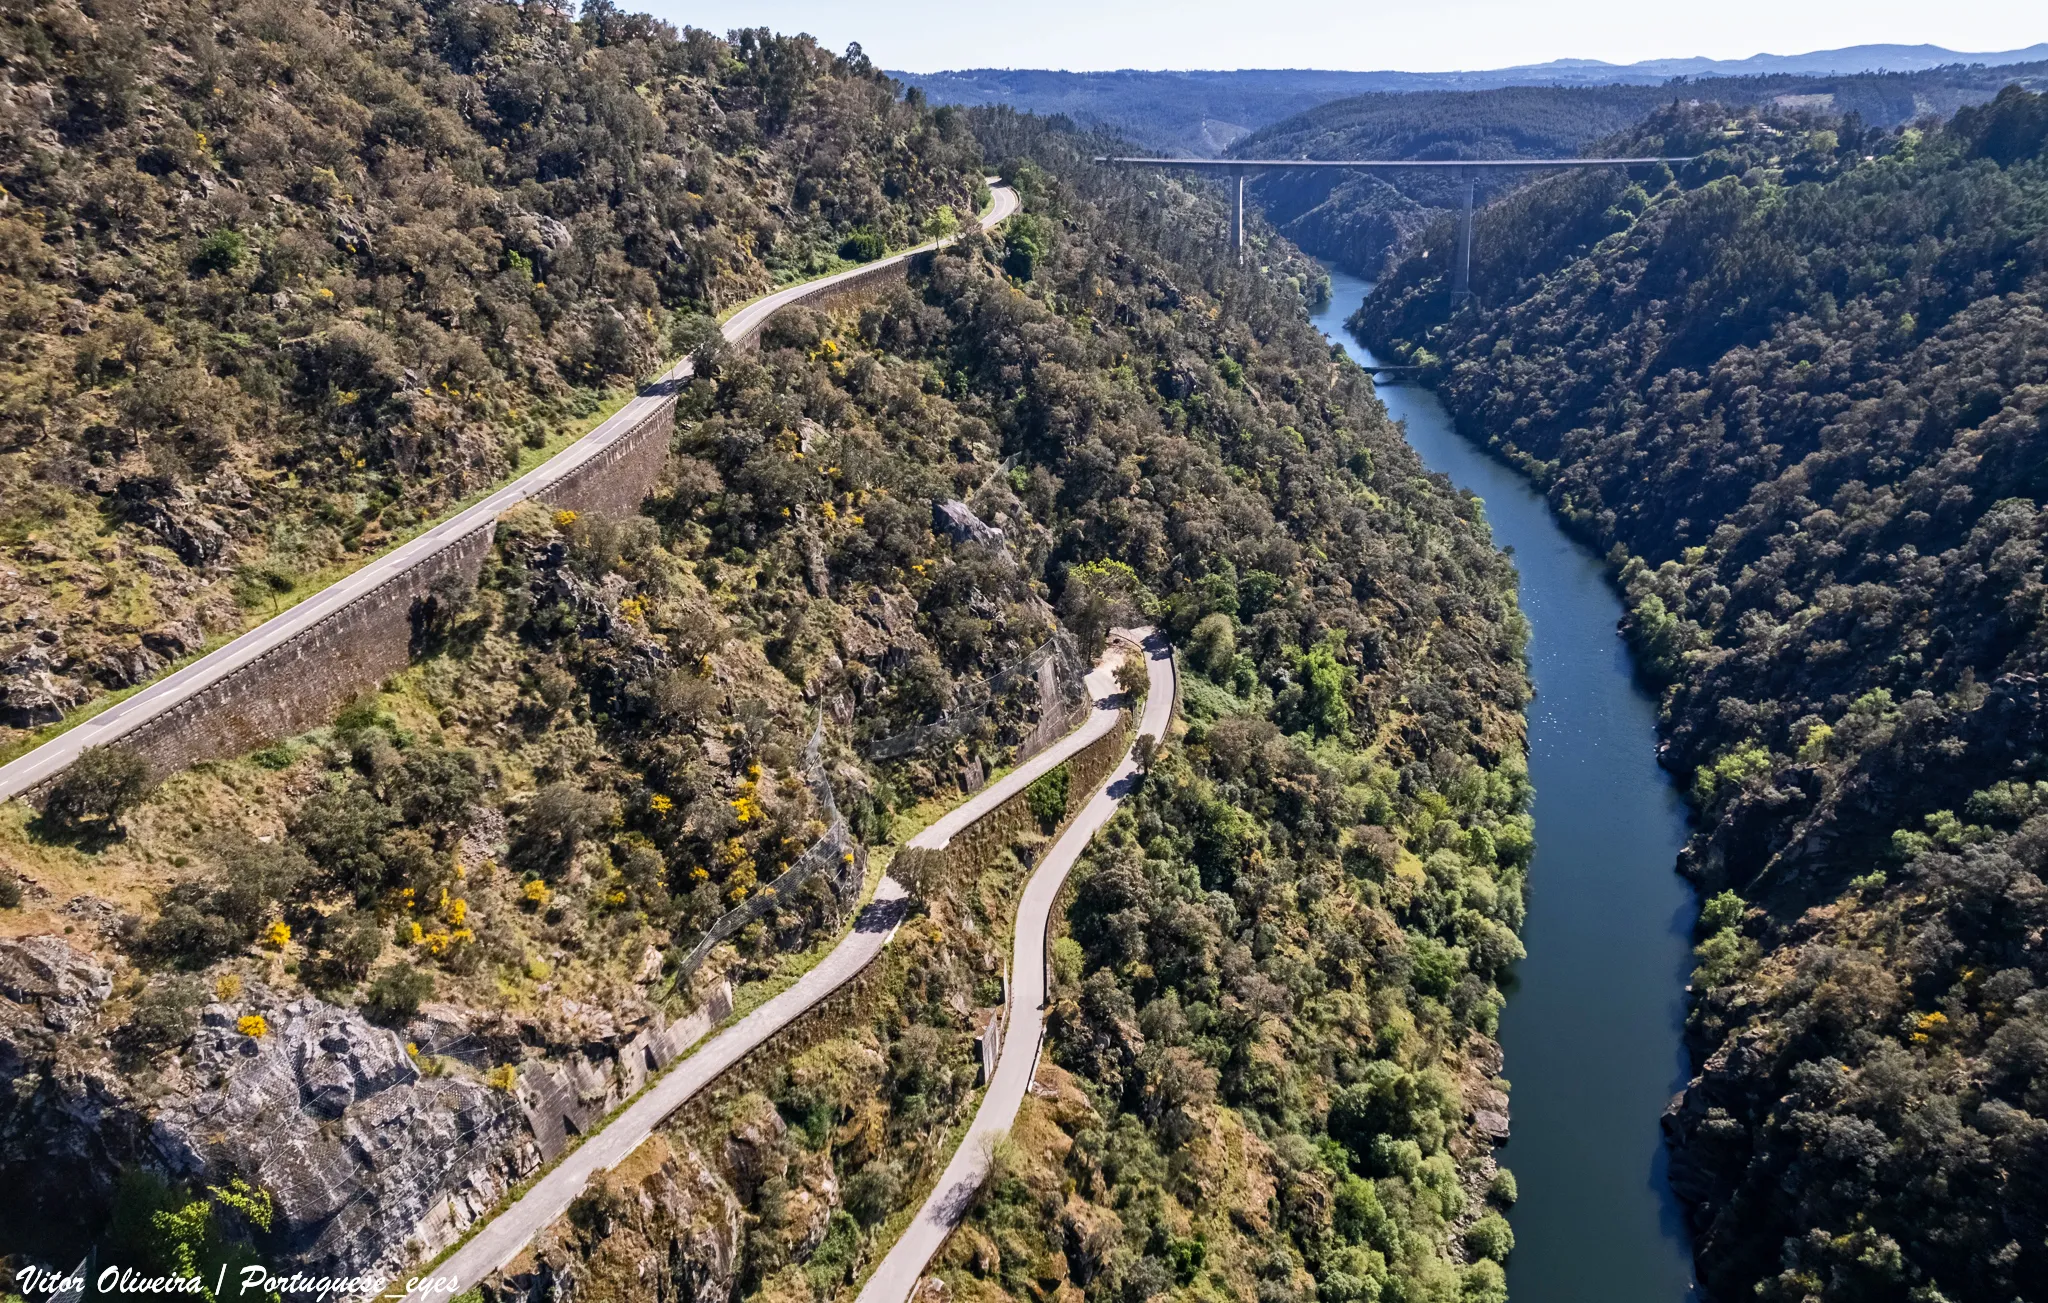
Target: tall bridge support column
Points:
(1237, 217)
(1461, 278)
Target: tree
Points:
(1099, 596)
(559, 820)
(396, 993)
(1145, 752)
(102, 784)
(1490, 1237)
(873, 1192)
(1131, 676)
(1212, 648)
(1047, 797)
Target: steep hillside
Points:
(1799, 392)
(284, 281)
(1358, 220)
(1283, 971)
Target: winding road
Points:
(111, 725)
(1024, 1028)
(501, 1238)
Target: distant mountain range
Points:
(1204, 112)
(1850, 58)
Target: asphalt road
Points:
(501, 1239)
(1024, 1028)
(51, 758)
(505, 1235)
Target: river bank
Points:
(1592, 1029)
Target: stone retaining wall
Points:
(301, 684)
(974, 846)
(859, 285)
(565, 1097)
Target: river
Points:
(1592, 1026)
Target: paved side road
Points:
(501, 1239)
(504, 1236)
(1101, 683)
(25, 772)
(1024, 1031)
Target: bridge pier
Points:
(1467, 170)
(1237, 218)
(1461, 277)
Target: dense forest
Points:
(1272, 1070)
(1358, 221)
(1203, 113)
(284, 281)
(1799, 393)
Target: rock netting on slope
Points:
(372, 1151)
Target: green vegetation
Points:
(1281, 967)
(161, 1231)
(1285, 947)
(100, 786)
(1358, 220)
(1048, 797)
(1797, 393)
(287, 281)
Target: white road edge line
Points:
(500, 1239)
(28, 770)
(953, 1197)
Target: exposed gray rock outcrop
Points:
(957, 521)
(326, 1111)
(671, 1234)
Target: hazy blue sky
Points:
(1433, 35)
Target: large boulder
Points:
(328, 1112)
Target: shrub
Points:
(204, 918)
(1048, 797)
(397, 992)
(103, 784)
(862, 246)
(166, 1013)
(1490, 1237)
(222, 251)
(836, 1256)
(559, 820)
(1722, 910)
(1502, 1188)
(873, 1192)
(10, 887)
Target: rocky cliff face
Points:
(662, 1226)
(326, 1111)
